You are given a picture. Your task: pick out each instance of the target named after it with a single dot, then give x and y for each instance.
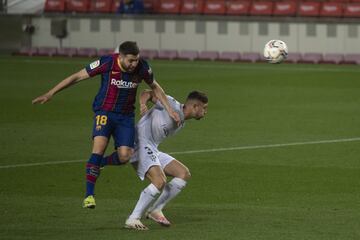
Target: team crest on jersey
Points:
(94, 64)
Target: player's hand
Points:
(143, 109)
(175, 116)
(42, 99)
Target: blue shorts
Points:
(121, 127)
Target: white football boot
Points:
(158, 217)
(133, 223)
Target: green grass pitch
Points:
(258, 190)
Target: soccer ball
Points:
(275, 51)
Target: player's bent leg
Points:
(177, 170)
(149, 194)
(93, 170)
(119, 157)
(181, 174)
(157, 177)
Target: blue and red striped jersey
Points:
(117, 91)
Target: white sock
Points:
(171, 190)
(147, 196)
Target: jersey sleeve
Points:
(100, 66)
(174, 104)
(170, 99)
(147, 73)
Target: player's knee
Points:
(124, 156)
(159, 182)
(185, 174)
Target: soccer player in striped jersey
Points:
(113, 106)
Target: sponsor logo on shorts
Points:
(123, 84)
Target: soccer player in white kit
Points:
(154, 127)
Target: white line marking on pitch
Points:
(203, 151)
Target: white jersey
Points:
(156, 124)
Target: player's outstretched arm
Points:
(67, 82)
(160, 94)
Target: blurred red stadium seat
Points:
(309, 9)
(340, 1)
(169, 6)
(215, 7)
(331, 9)
(192, 7)
(286, 8)
(261, 8)
(150, 5)
(100, 6)
(238, 7)
(115, 6)
(352, 10)
(81, 6)
(54, 6)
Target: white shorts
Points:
(146, 156)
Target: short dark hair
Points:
(129, 47)
(196, 95)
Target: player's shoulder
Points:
(143, 63)
(144, 67)
(171, 98)
(173, 102)
(110, 57)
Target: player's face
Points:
(200, 110)
(129, 62)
